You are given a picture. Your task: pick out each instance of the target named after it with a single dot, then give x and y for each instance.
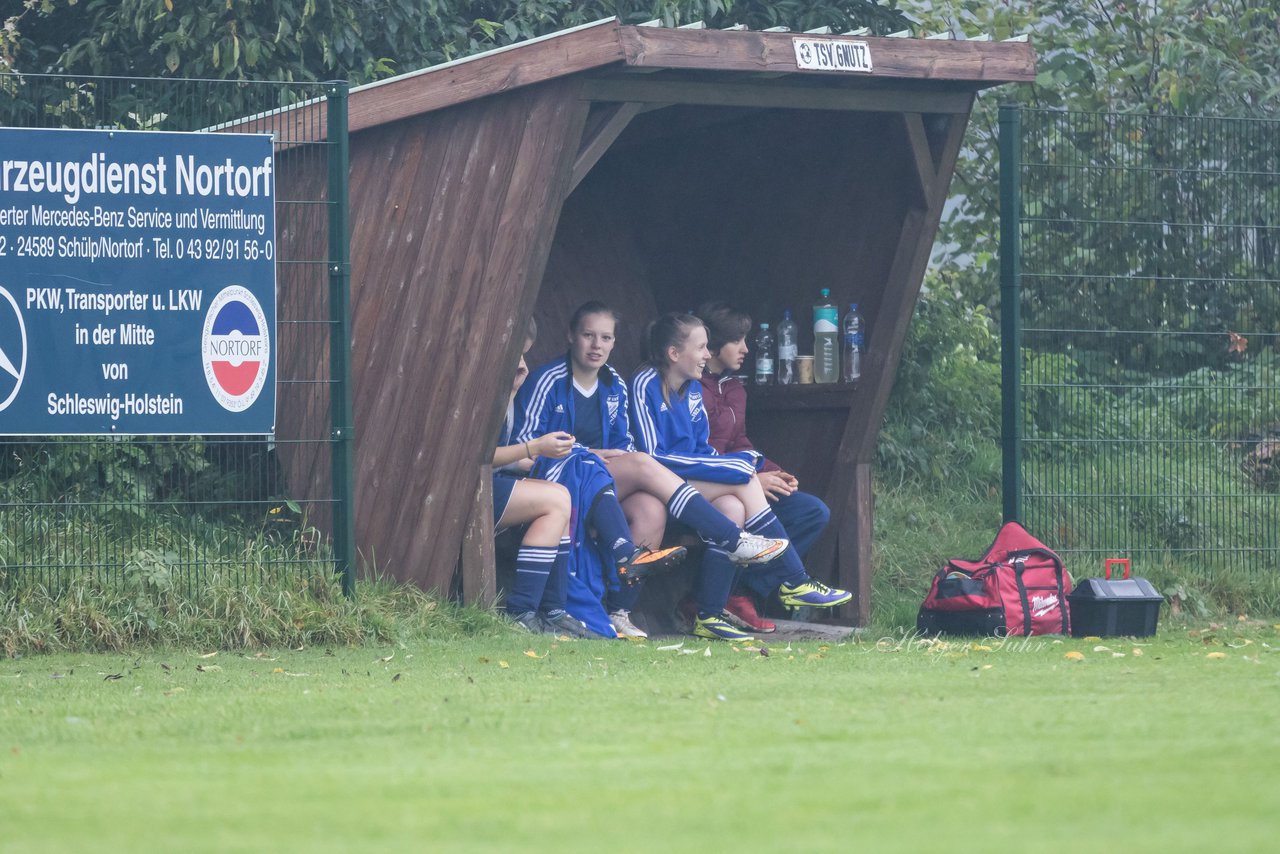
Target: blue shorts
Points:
(504, 483)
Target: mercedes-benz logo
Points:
(13, 348)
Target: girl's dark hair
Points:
(670, 330)
(724, 324)
(591, 307)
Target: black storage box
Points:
(1110, 607)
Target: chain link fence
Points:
(1141, 260)
(182, 512)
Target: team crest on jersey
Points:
(695, 407)
(613, 408)
(236, 348)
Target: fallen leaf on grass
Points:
(395, 678)
(278, 670)
(670, 647)
(1215, 655)
(1091, 638)
(208, 668)
(209, 654)
(707, 651)
(389, 657)
(1117, 655)
(1101, 648)
(503, 665)
(764, 650)
(1137, 651)
(531, 654)
(111, 677)
(980, 647)
(1074, 655)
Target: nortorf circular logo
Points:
(236, 348)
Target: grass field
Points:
(500, 743)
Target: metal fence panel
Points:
(1148, 400)
(181, 512)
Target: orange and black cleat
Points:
(645, 562)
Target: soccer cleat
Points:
(719, 629)
(645, 562)
(741, 612)
(625, 628)
(753, 548)
(812, 593)
(561, 622)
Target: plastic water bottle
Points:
(788, 339)
(852, 344)
(764, 356)
(826, 340)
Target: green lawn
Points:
(605, 746)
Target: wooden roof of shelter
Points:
(649, 166)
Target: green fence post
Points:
(1010, 309)
(342, 420)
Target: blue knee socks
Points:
(688, 505)
(533, 568)
(611, 526)
(557, 590)
(715, 582)
(787, 568)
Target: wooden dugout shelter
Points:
(651, 168)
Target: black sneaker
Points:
(645, 562)
(529, 621)
(560, 622)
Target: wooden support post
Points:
(479, 574)
(853, 546)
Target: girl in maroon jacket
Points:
(725, 399)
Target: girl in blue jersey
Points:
(537, 597)
(580, 393)
(670, 423)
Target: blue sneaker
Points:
(813, 593)
(718, 629)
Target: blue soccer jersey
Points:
(674, 430)
(545, 404)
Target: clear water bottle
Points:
(852, 345)
(764, 355)
(788, 349)
(826, 340)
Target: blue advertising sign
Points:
(137, 283)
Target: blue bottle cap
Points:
(786, 314)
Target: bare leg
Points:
(750, 494)
(544, 506)
(642, 473)
(731, 506)
(647, 516)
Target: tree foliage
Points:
(1153, 59)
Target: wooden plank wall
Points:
(302, 345)
(452, 216)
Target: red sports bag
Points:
(1019, 587)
